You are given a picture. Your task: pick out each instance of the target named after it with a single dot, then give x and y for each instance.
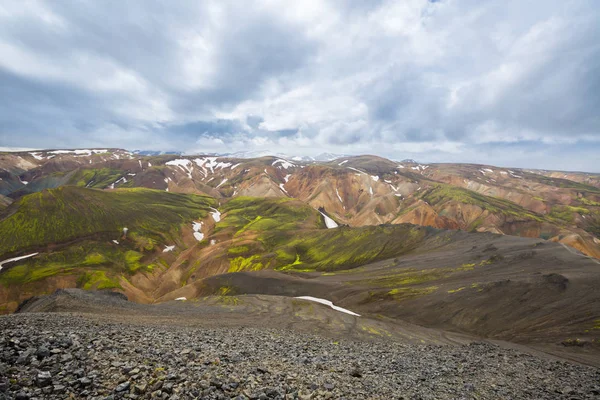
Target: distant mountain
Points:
(258, 154)
(155, 153)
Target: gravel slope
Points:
(59, 355)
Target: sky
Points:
(501, 82)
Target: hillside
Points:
(90, 238)
(357, 191)
(399, 242)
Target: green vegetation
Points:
(566, 214)
(589, 202)
(68, 213)
(98, 178)
(343, 248)
(252, 263)
(286, 234)
(97, 280)
(263, 214)
(442, 193)
(97, 264)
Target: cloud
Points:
(506, 82)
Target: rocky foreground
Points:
(59, 356)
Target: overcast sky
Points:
(509, 83)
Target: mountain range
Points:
(510, 254)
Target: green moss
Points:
(406, 293)
(589, 202)
(98, 280)
(456, 290)
(239, 264)
(68, 213)
(225, 290)
(236, 250)
(132, 260)
(566, 214)
(94, 259)
(442, 193)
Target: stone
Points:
(123, 386)
(44, 378)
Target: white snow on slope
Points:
(82, 152)
(343, 162)
(329, 223)
(168, 248)
(184, 164)
(197, 226)
(181, 299)
(375, 178)
(16, 259)
(287, 178)
(179, 162)
(283, 189)
(216, 214)
(354, 169)
(221, 184)
(285, 164)
(327, 303)
(37, 156)
(338, 195)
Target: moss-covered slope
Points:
(286, 234)
(68, 213)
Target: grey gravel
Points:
(146, 361)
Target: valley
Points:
(424, 253)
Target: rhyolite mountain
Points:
(509, 254)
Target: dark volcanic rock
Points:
(109, 360)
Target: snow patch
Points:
(37, 156)
(327, 303)
(285, 164)
(283, 189)
(179, 162)
(338, 195)
(181, 299)
(81, 152)
(221, 184)
(16, 259)
(343, 162)
(197, 226)
(115, 241)
(375, 178)
(287, 178)
(329, 223)
(216, 214)
(357, 170)
(168, 248)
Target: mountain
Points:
(506, 254)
